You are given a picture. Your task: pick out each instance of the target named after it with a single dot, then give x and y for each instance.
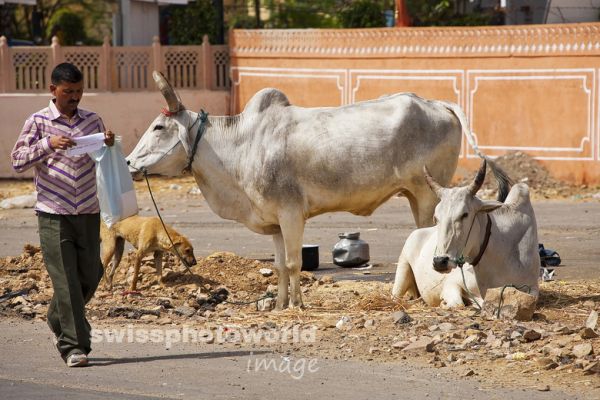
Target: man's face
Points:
(68, 95)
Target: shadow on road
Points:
(103, 362)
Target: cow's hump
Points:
(265, 99)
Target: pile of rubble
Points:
(353, 319)
(521, 167)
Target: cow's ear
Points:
(183, 135)
(490, 205)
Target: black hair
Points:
(66, 72)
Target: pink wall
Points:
(126, 114)
(523, 88)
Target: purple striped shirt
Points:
(64, 184)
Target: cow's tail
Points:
(503, 180)
(464, 124)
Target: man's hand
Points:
(61, 142)
(109, 138)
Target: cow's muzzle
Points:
(136, 173)
(441, 263)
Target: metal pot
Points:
(350, 251)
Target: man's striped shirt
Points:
(64, 184)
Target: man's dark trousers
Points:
(71, 249)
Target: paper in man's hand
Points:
(86, 144)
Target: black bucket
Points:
(310, 257)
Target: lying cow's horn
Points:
(436, 187)
(168, 92)
(476, 184)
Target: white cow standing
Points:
(275, 165)
(509, 255)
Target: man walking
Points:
(67, 207)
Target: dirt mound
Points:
(244, 279)
(520, 167)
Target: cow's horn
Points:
(476, 184)
(168, 92)
(436, 187)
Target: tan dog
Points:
(147, 235)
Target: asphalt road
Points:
(571, 228)
(31, 369)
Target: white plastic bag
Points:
(24, 201)
(116, 193)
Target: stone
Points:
(266, 304)
(563, 330)
(546, 363)
(185, 311)
(271, 289)
(423, 344)
(202, 298)
(401, 344)
(326, 279)
(227, 313)
(265, 271)
(582, 350)
(589, 303)
(164, 302)
(491, 337)
(469, 372)
(515, 305)
(592, 320)
(344, 323)
(588, 333)
(446, 326)
(531, 335)
(18, 300)
(593, 367)
(27, 312)
(470, 340)
(515, 335)
(370, 323)
(401, 317)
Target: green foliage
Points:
(241, 21)
(362, 14)
(441, 13)
(95, 15)
(67, 26)
(298, 14)
(189, 23)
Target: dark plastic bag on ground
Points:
(548, 257)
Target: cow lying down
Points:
(428, 263)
